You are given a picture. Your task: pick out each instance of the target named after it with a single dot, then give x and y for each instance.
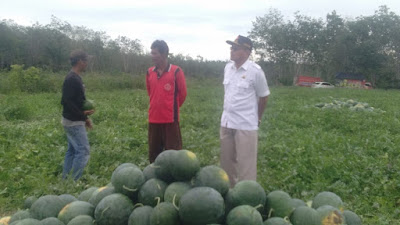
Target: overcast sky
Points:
(190, 27)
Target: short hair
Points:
(161, 46)
(77, 55)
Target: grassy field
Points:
(303, 149)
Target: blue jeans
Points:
(78, 151)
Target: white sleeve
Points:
(261, 84)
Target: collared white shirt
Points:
(243, 87)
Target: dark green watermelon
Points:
(74, 209)
(244, 214)
(51, 221)
(351, 218)
(201, 205)
(152, 192)
(185, 165)
(127, 181)
(149, 172)
(140, 216)
(175, 191)
(164, 214)
(82, 220)
(246, 192)
(113, 209)
(162, 165)
(46, 206)
(214, 177)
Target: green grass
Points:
(303, 149)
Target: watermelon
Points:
(75, 209)
(67, 198)
(214, 177)
(86, 194)
(140, 216)
(113, 209)
(351, 218)
(276, 221)
(175, 191)
(164, 214)
(127, 181)
(82, 220)
(88, 105)
(201, 205)
(100, 193)
(46, 206)
(152, 192)
(327, 198)
(244, 214)
(20, 215)
(29, 201)
(185, 165)
(304, 215)
(298, 202)
(51, 221)
(149, 172)
(124, 165)
(330, 215)
(245, 192)
(279, 204)
(162, 165)
(27, 221)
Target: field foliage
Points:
(303, 149)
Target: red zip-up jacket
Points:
(167, 92)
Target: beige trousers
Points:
(238, 155)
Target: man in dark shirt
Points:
(74, 119)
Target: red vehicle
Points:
(307, 81)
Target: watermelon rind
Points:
(175, 191)
(164, 214)
(352, 218)
(140, 216)
(214, 177)
(20, 215)
(201, 205)
(75, 209)
(51, 221)
(82, 220)
(244, 214)
(113, 209)
(46, 206)
(152, 192)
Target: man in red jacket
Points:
(166, 87)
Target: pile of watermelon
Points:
(349, 104)
(175, 190)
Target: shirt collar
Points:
(245, 65)
(167, 69)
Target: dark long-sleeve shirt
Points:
(73, 97)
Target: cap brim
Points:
(232, 43)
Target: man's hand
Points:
(89, 123)
(88, 112)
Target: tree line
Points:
(367, 45)
(286, 49)
(48, 46)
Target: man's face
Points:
(239, 53)
(83, 63)
(157, 57)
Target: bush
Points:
(31, 80)
(17, 112)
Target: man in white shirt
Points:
(246, 95)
